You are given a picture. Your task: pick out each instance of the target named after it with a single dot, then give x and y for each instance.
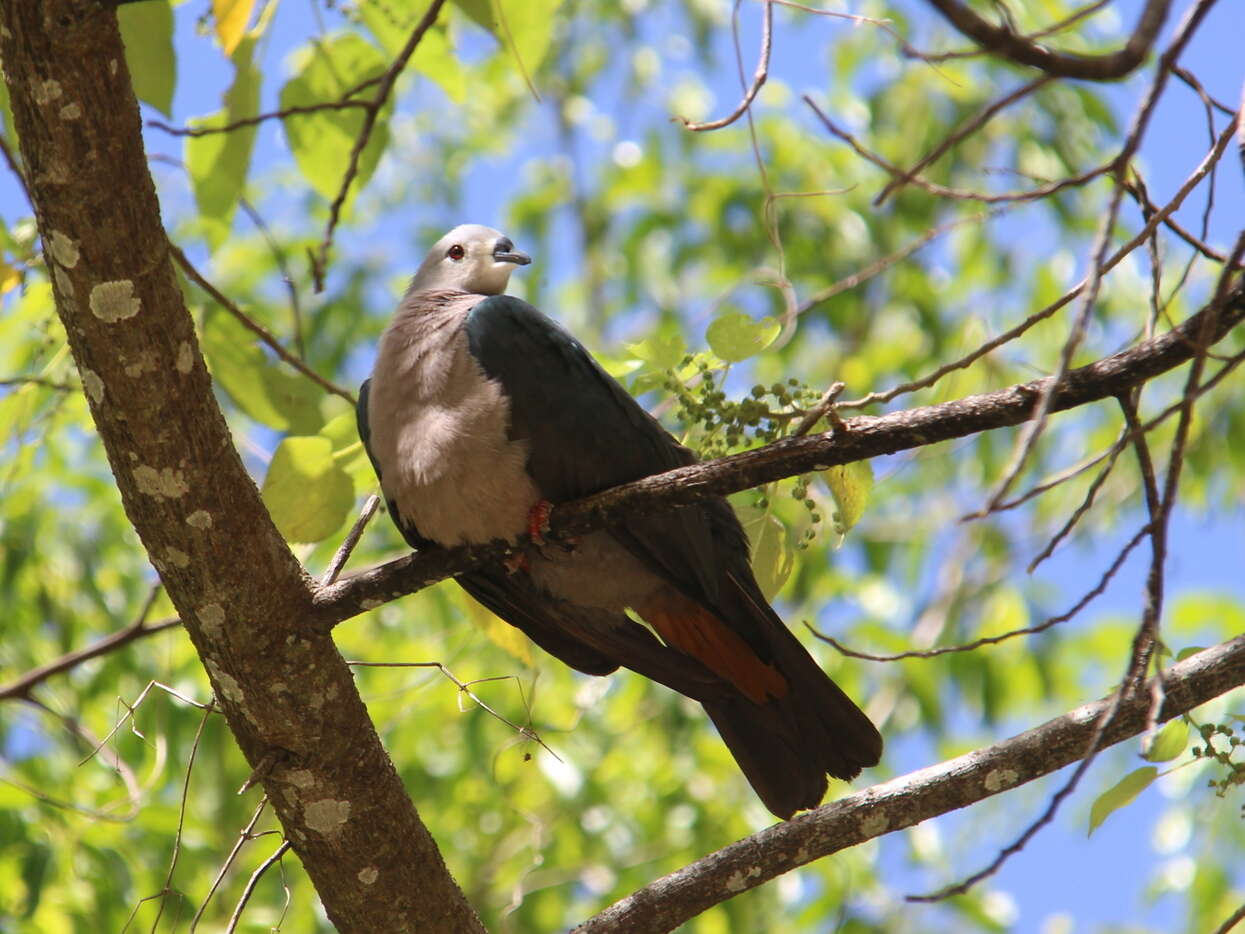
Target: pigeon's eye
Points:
(456, 252)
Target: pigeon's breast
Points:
(440, 435)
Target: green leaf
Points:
(348, 450)
(850, 486)
(218, 162)
(434, 58)
(147, 31)
(480, 11)
(322, 141)
(665, 353)
(1169, 742)
(36, 861)
(307, 493)
(264, 390)
(231, 18)
(772, 556)
(735, 337)
(523, 27)
(1120, 794)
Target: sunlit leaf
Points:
(772, 555)
(850, 485)
(348, 450)
(218, 162)
(307, 493)
(523, 27)
(1120, 794)
(506, 637)
(231, 18)
(663, 352)
(266, 391)
(147, 31)
(1169, 742)
(323, 140)
(735, 337)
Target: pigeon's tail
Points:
(786, 746)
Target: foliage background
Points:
(644, 234)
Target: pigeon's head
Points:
(470, 258)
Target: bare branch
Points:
(256, 328)
(1002, 41)
(22, 686)
(758, 78)
(1046, 624)
(965, 129)
(345, 103)
(254, 881)
(943, 191)
(384, 85)
(859, 438)
(342, 555)
(910, 799)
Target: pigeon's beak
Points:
(504, 252)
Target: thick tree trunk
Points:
(288, 696)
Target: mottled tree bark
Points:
(287, 694)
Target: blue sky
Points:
(1060, 871)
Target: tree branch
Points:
(288, 696)
(861, 438)
(910, 799)
(1001, 41)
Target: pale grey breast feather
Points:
(439, 428)
(440, 435)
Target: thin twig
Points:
(371, 112)
(254, 881)
(257, 329)
(22, 686)
(1236, 918)
(881, 265)
(287, 278)
(351, 540)
(244, 837)
(1002, 42)
(965, 129)
(1097, 591)
(181, 819)
(37, 381)
(1011, 334)
(241, 124)
(758, 77)
(465, 688)
(943, 191)
(15, 168)
(824, 406)
(1086, 503)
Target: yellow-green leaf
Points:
(524, 28)
(264, 390)
(772, 556)
(1169, 742)
(735, 337)
(231, 18)
(218, 162)
(665, 353)
(850, 486)
(509, 638)
(1120, 794)
(322, 141)
(348, 451)
(308, 495)
(147, 31)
